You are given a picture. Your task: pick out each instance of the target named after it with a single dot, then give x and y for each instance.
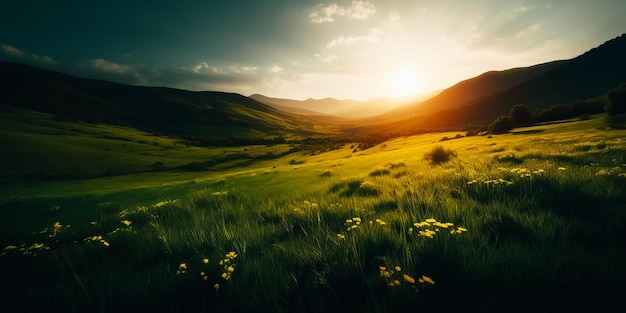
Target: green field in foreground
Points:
(529, 221)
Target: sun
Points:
(404, 82)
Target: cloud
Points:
(326, 57)
(10, 50)
(372, 37)
(15, 52)
(358, 10)
(243, 69)
(276, 69)
(524, 8)
(205, 68)
(110, 67)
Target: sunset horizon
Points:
(355, 49)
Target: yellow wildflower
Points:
(230, 269)
(9, 247)
(106, 244)
(396, 282)
(126, 222)
(205, 261)
(225, 276)
(431, 220)
(426, 279)
(36, 246)
(182, 266)
(398, 268)
(216, 286)
(408, 278)
(231, 255)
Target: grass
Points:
(526, 221)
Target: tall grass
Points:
(528, 225)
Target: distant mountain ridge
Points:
(159, 109)
(347, 109)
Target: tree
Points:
(500, 126)
(616, 101)
(520, 115)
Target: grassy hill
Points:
(526, 221)
(39, 148)
(155, 109)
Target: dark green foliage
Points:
(439, 155)
(616, 101)
(500, 126)
(520, 115)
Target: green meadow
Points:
(110, 219)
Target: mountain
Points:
(157, 109)
(483, 98)
(347, 109)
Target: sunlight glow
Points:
(404, 82)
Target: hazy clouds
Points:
(300, 49)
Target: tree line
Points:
(613, 103)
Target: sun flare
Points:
(404, 82)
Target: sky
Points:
(299, 49)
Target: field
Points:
(529, 221)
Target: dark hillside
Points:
(159, 109)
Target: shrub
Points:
(439, 155)
(520, 115)
(500, 126)
(616, 103)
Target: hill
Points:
(347, 109)
(156, 109)
(483, 98)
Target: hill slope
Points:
(158, 109)
(483, 98)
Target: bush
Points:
(439, 155)
(520, 115)
(500, 126)
(616, 101)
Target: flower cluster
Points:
(430, 227)
(97, 238)
(31, 250)
(228, 264)
(310, 205)
(379, 222)
(394, 277)
(182, 269)
(524, 172)
(492, 182)
(353, 223)
(57, 227)
(163, 203)
(356, 222)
